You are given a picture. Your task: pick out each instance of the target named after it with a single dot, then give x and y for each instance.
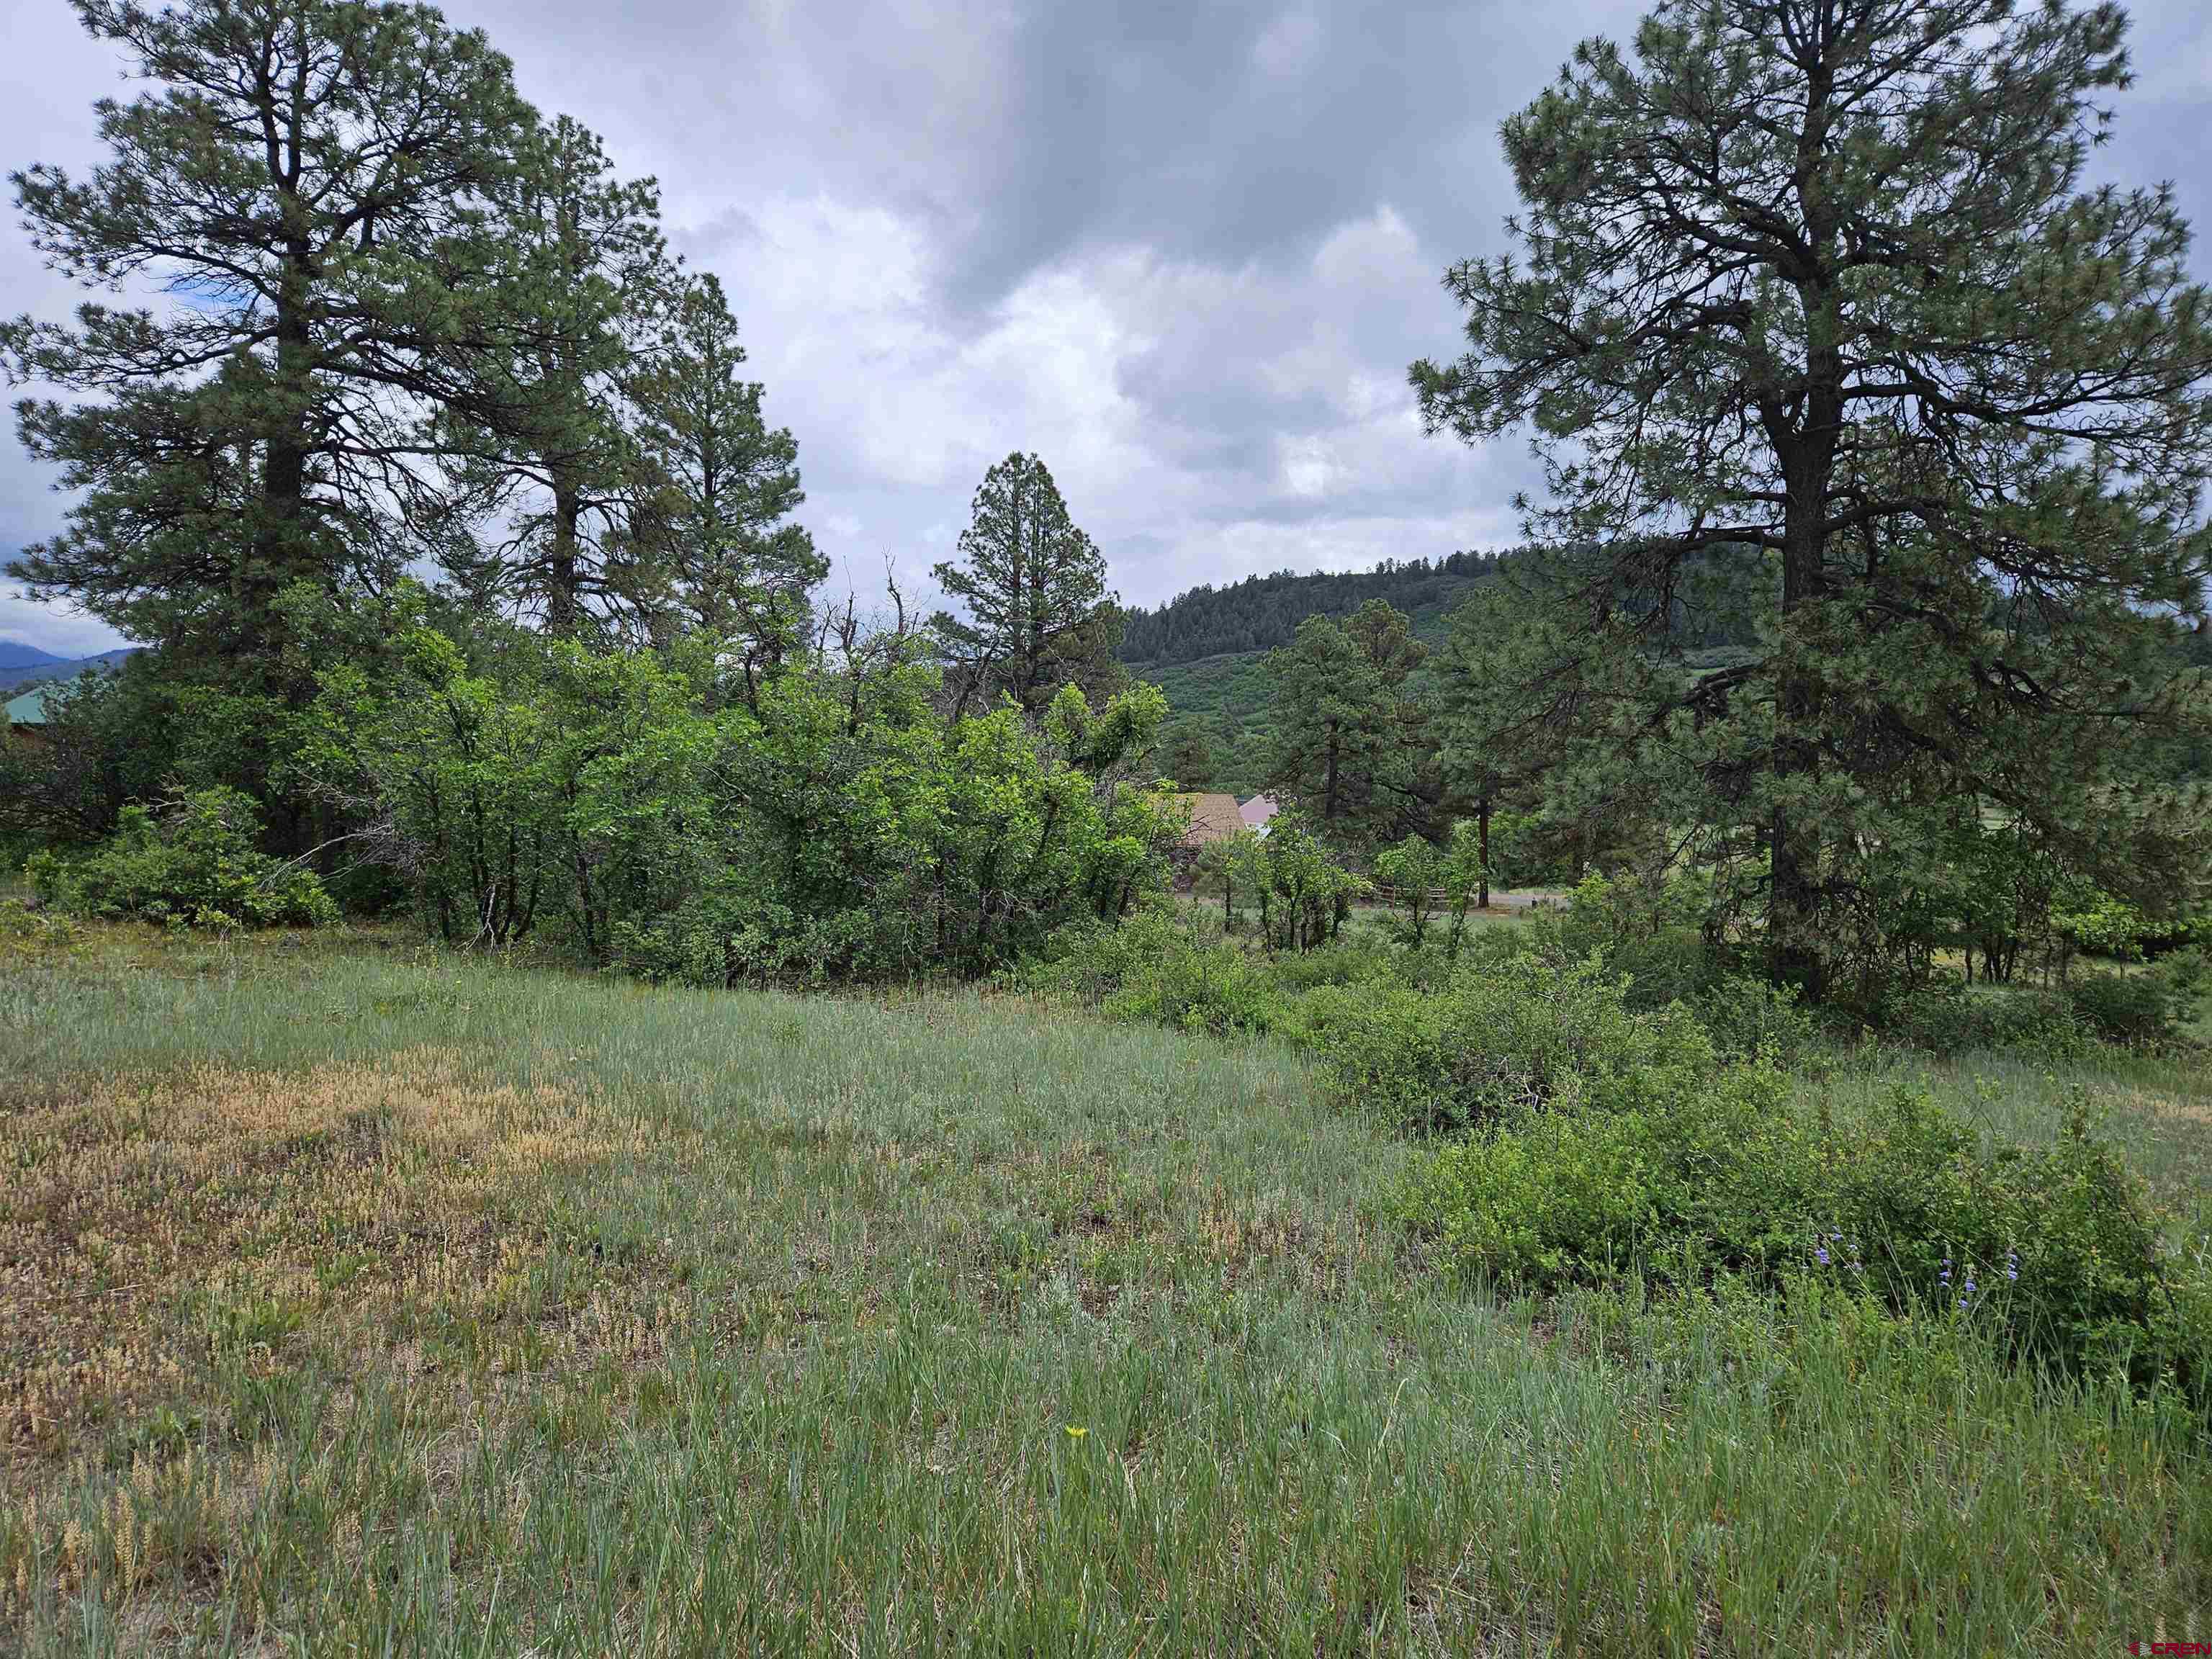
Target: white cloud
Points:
(1307, 466)
(61, 630)
(1288, 44)
(1140, 380)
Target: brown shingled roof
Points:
(1212, 817)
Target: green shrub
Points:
(1648, 930)
(1747, 1017)
(1218, 987)
(194, 866)
(1948, 1017)
(1303, 895)
(2145, 1007)
(34, 930)
(1359, 959)
(1087, 959)
(1515, 1031)
(2059, 1248)
(1157, 968)
(718, 939)
(1172, 969)
(2149, 1006)
(828, 823)
(1414, 870)
(2102, 924)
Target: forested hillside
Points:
(1261, 612)
(23, 664)
(1205, 648)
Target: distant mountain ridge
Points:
(24, 664)
(14, 655)
(1261, 612)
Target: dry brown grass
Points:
(146, 1224)
(164, 1239)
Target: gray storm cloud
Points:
(1185, 252)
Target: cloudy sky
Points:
(1183, 252)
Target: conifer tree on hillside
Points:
(1350, 745)
(580, 268)
(309, 181)
(1819, 277)
(1187, 756)
(1033, 589)
(725, 485)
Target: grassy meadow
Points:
(359, 1297)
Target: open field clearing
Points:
(357, 1297)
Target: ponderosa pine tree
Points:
(581, 268)
(1350, 742)
(1819, 276)
(1188, 756)
(1544, 709)
(307, 180)
(1031, 583)
(725, 485)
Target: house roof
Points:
(29, 709)
(1212, 817)
(1258, 810)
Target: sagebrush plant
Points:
(192, 863)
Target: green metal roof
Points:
(29, 709)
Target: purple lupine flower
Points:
(1820, 1252)
(2012, 1264)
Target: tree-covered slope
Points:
(24, 664)
(1261, 612)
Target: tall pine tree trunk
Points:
(277, 552)
(1482, 852)
(1807, 457)
(562, 600)
(1794, 954)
